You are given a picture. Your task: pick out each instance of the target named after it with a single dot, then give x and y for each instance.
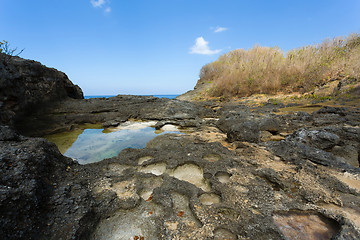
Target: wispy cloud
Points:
(103, 4)
(220, 29)
(98, 3)
(202, 47)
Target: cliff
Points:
(27, 85)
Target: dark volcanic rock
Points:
(316, 146)
(62, 115)
(27, 85)
(336, 115)
(194, 185)
(242, 125)
(7, 134)
(270, 124)
(321, 139)
(198, 187)
(298, 152)
(40, 199)
(248, 131)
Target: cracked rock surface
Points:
(198, 185)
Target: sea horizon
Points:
(170, 96)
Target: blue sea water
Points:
(170, 96)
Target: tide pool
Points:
(170, 96)
(95, 144)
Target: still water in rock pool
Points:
(92, 144)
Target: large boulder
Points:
(26, 85)
(245, 126)
(248, 131)
(41, 196)
(321, 138)
(321, 146)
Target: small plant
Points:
(5, 48)
(274, 101)
(325, 98)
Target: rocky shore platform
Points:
(237, 171)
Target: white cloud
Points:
(220, 29)
(201, 47)
(97, 3)
(103, 4)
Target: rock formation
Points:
(26, 86)
(238, 172)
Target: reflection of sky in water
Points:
(93, 145)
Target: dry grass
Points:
(270, 70)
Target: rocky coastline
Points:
(240, 171)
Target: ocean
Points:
(170, 96)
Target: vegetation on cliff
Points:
(270, 70)
(5, 48)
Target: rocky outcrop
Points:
(39, 193)
(32, 171)
(26, 86)
(178, 187)
(191, 95)
(235, 173)
(205, 191)
(111, 111)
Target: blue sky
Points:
(159, 46)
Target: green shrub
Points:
(5, 48)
